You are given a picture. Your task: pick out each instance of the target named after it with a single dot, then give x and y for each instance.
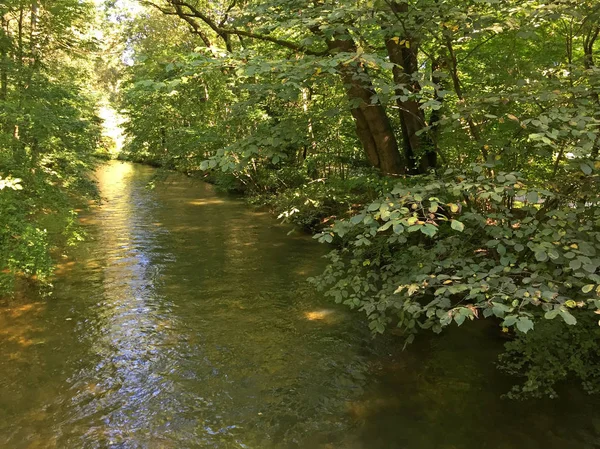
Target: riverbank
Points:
(309, 204)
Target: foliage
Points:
(448, 249)
(48, 132)
(315, 203)
(555, 352)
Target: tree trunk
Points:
(373, 126)
(4, 46)
(403, 51)
(436, 116)
(473, 128)
(588, 62)
(33, 33)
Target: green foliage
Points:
(555, 352)
(467, 244)
(313, 203)
(49, 132)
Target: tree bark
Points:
(4, 46)
(403, 52)
(373, 126)
(473, 128)
(588, 62)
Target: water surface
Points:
(184, 321)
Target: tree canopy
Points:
(49, 130)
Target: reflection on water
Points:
(185, 322)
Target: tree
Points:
(48, 130)
(324, 30)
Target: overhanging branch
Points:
(223, 32)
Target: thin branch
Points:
(474, 49)
(226, 16)
(224, 32)
(193, 24)
(280, 42)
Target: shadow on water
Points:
(185, 322)
(446, 393)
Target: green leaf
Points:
(459, 318)
(575, 264)
(385, 227)
(587, 288)
(532, 197)
(457, 225)
(374, 206)
(569, 319)
(524, 324)
(429, 230)
(500, 309)
(357, 218)
(541, 255)
(586, 169)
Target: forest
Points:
(445, 151)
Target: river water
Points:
(184, 321)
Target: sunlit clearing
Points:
(111, 127)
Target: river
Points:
(184, 321)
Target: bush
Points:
(463, 246)
(316, 203)
(553, 353)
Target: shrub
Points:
(463, 246)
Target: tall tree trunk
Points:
(34, 52)
(588, 62)
(436, 116)
(33, 33)
(4, 46)
(473, 128)
(403, 52)
(373, 126)
(20, 35)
